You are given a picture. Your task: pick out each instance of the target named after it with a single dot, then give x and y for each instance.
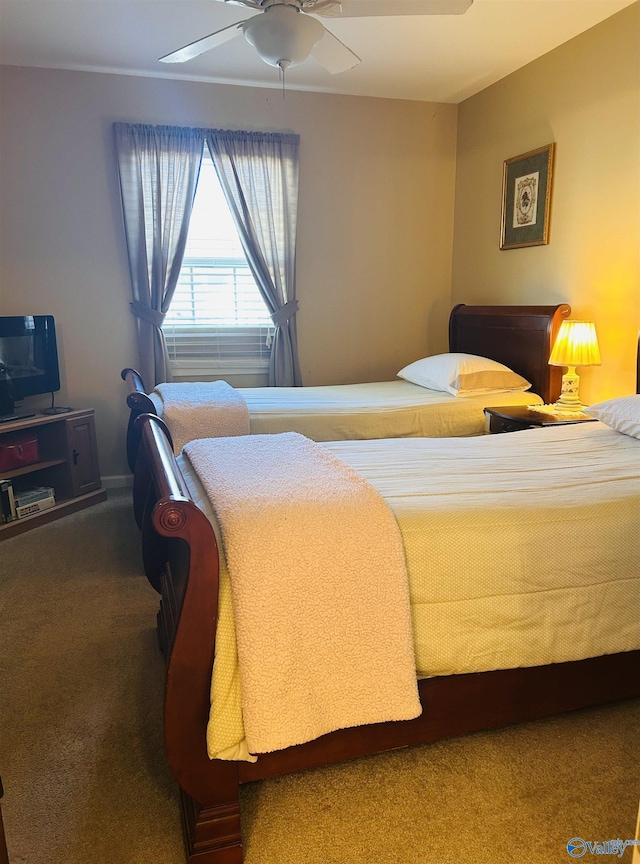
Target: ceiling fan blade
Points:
(252, 4)
(334, 54)
(194, 49)
(376, 8)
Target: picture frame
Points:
(526, 198)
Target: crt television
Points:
(28, 360)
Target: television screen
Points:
(28, 358)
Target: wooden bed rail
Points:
(168, 480)
(139, 403)
(187, 627)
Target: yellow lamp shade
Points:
(576, 345)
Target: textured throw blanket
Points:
(319, 588)
(202, 409)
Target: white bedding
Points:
(202, 409)
(387, 409)
(316, 563)
(521, 549)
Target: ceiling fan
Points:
(286, 32)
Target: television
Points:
(28, 361)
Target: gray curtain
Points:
(158, 168)
(258, 173)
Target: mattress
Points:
(387, 409)
(521, 550)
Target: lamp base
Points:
(568, 407)
(569, 399)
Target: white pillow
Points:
(622, 414)
(463, 375)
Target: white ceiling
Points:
(431, 58)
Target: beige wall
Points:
(376, 215)
(585, 96)
(375, 223)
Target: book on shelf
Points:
(33, 499)
(7, 501)
(31, 494)
(35, 507)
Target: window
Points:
(218, 322)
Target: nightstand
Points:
(514, 418)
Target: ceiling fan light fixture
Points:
(283, 34)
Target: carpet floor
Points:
(86, 780)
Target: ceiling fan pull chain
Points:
(282, 66)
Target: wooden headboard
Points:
(520, 337)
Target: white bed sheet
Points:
(386, 409)
(522, 549)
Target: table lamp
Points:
(575, 345)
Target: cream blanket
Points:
(319, 589)
(202, 409)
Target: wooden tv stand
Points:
(68, 461)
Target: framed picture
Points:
(526, 198)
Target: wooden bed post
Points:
(139, 403)
(142, 485)
(187, 625)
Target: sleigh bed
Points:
(184, 562)
(519, 337)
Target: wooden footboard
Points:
(181, 560)
(138, 403)
(180, 556)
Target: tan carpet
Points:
(86, 781)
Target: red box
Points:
(18, 449)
